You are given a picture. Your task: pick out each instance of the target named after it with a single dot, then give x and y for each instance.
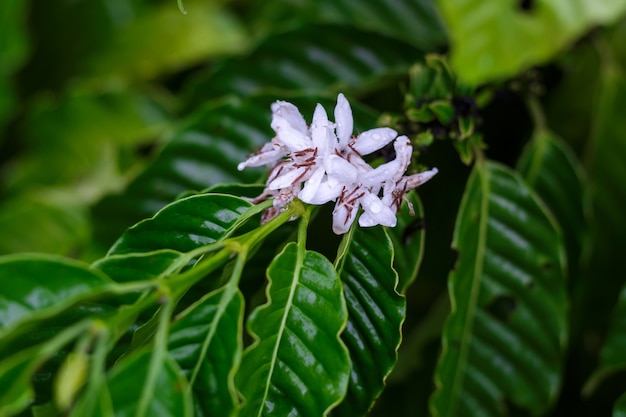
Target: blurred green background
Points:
(87, 91)
(109, 109)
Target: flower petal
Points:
(319, 193)
(373, 140)
(416, 180)
(321, 133)
(343, 120)
(343, 217)
(290, 114)
(404, 151)
(267, 156)
(358, 162)
(308, 192)
(375, 212)
(382, 173)
(392, 170)
(290, 127)
(289, 178)
(340, 171)
(285, 196)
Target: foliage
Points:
(136, 275)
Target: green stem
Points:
(229, 292)
(176, 286)
(96, 386)
(53, 346)
(158, 356)
(536, 113)
(179, 284)
(181, 262)
(303, 226)
(45, 351)
(187, 279)
(296, 209)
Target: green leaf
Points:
(162, 40)
(205, 340)
(184, 225)
(33, 287)
(505, 337)
(169, 397)
(552, 170)
(15, 376)
(312, 60)
(25, 219)
(608, 147)
(613, 353)
(620, 407)
(297, 365)
(375, 315)
(607, 175)
(606, 172)
(137, 266)
(115, 120)
(443, 109)
(135, 40)
(41, 330)
(417, 22)
(565, 114)
(18, 373)
(493, 40)
(408, 241)
(202, 152)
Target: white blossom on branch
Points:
(323, 162)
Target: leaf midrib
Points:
(283, 323)
(459, 374)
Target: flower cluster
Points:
(323, 162)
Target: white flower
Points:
(323, 162)
(394, 192)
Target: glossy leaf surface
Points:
(202, 152)
(33, 287)
(169, 397)
(495, 40)
(552, 170)
(184, 225)
(137, 266)
(311, 60)
(375, 315)
(505, 337)
(297, 365)
(205, 341)
(417, 22)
